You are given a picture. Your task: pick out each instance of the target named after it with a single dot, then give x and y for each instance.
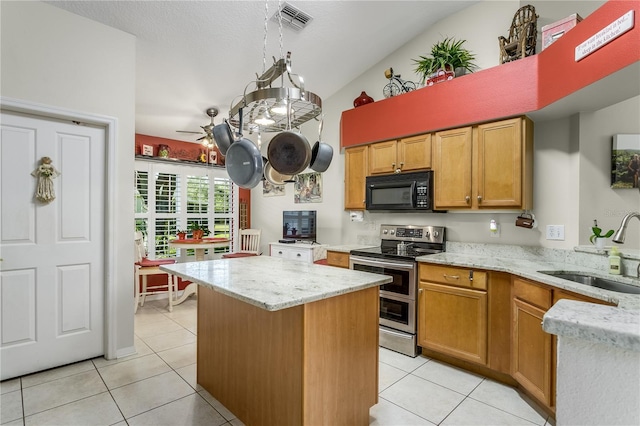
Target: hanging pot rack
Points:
(303, 104)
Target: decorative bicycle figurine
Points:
(396, 85)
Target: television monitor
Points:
(299, 225)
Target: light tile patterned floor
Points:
(157, 386)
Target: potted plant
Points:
(597, 238)
(182, 234)
(198, 231)
(447, 55)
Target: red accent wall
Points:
(511, 89)
(177, 149)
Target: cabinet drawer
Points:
(532, 293)
(450, 275)
(335, 258)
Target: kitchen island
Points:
(287, 343)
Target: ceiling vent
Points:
(292, 17)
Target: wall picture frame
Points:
(147, 150)
(308, 188)
(213, 156)
(625, 161)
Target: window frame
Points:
(182, 216)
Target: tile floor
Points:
(158, 387)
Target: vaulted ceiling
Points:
(193, 55)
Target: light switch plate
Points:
(555, 232)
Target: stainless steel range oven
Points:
(395, 257)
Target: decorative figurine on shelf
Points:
(45, 174)
(396, 85)
(163, 151)
(363, 99)
(203, 156)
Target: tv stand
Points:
(304, 252)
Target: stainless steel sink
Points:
(594, 281)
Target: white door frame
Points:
(111, 126)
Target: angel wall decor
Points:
(45, 174)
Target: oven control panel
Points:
(427, 234)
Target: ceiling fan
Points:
(207, 139)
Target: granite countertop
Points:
(348, 247)
(528, 267)
(273, 283)
(595, 323)
(610, 325)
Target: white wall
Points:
(53, 57)
(560, 186)
(597, 384)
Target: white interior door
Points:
(52, 270)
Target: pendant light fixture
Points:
(266, 104)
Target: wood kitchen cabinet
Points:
(338, 258)
(531, 350)
(403, 155)
(488, 166)
(356, 161)
(452, 311)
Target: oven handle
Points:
(380, 263)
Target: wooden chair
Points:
(521, 41)
(249, 244)
(145, 267)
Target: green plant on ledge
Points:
(447, 54)
(597, 232)
(197, 228)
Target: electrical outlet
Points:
(555, 232)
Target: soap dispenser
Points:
(614, 261)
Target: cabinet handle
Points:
(470, 275)
(453, 277)
(420, 290)
(393, 165)
(479, 198)
(467, 199)
(279, 252)
(298, 254)
(401, 164)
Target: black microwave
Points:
(402, 191)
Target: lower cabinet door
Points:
(531, 351)
(453, 320)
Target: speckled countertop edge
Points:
(273, 283)
(529, 268)
(346, 248)
(606, 325)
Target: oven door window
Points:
(402, 279)
(396, 314)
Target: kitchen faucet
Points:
(618, 237)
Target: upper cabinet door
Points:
(452, 168)
(356, 160)
(383, 158)
(502, 169)
(414, 153)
